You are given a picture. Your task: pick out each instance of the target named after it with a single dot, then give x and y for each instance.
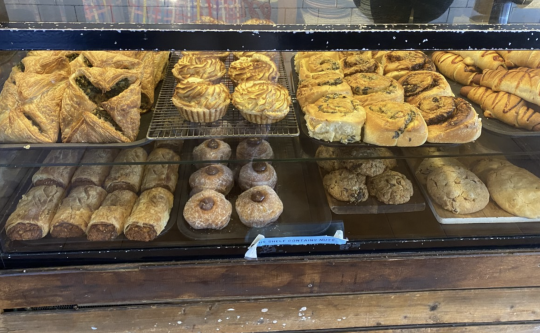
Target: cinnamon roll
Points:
(301, 56)
(206, 68)
(310, 90)
(258, 67)
(335, 117)
(394, 124)
(319, 64)
(369, 88)
(422, 84)
(261, 102)
(398, 63)
(199, 100)
(450, 120)
(353, 64)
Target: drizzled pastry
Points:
(319, 64)
(505, 107)
(259, 206)
(101, 105)
(335, 117)
(208, 209)
(357, 63)
(257, 174)
(254, 148)
(369, 88)
(422, 84)
(522, 82)
(454, 67)
(261, 102)
(206, 68)
(398, 63)
(199, 100)
(34, 213)
(272, 55)
(482, 59)
(258, 67)
(394, 124)
(450, 120)
(215, 177)
(211, 150)
(310, 90)
(530, 59)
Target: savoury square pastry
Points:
(335, 117)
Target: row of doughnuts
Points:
(339, 101)
(257, 206)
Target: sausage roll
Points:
(58, 175)
(94, 174)
(127, 177)
(108, 221)
(161, 175)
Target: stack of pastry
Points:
(340, 100)
(258, 206)
(354, 180)
(103, 200)
(88, 96)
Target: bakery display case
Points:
(160, 131)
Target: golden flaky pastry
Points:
(258, 67)
(262, 102)
(101, 105)
(199, 100)
(211, 69)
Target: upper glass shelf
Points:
(309, 12)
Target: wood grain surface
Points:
(413, 311)
(215, 279)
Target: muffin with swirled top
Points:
(206, 68)
(199, 100)
(262, 102)
(258, 67)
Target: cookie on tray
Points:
(457, 189)
(391, 188)
(345, 185)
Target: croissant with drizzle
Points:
(101, 105)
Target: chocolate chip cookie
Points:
(391, 188)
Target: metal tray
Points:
(167, 123)
(49, 243)
(493, 125)
(305, 211)
(305, 131)
(374, 206)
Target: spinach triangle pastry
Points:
(101, 105)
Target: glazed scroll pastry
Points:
(422, 84)
(482, 59)
(506, 107)
(522, 82)
(353, 64)
(450, 120)
(208, 209)
(369, 88)
(101, 105)
(34, 213)
(398, 63)
(301, 56)
(257, 68)
(150, 215)
(199, 100)
(394, 124)
(261, 102)
(310, 90)
(30, 107)
(530, 59)
(335, 117)
(454, 67)
(320, 64)
(206, 68)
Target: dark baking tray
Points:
(305, 211)
(493, 125)
(49, 243)
(305, 132)
(374, 206)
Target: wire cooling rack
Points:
(167, 123)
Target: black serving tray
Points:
(305, 211)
